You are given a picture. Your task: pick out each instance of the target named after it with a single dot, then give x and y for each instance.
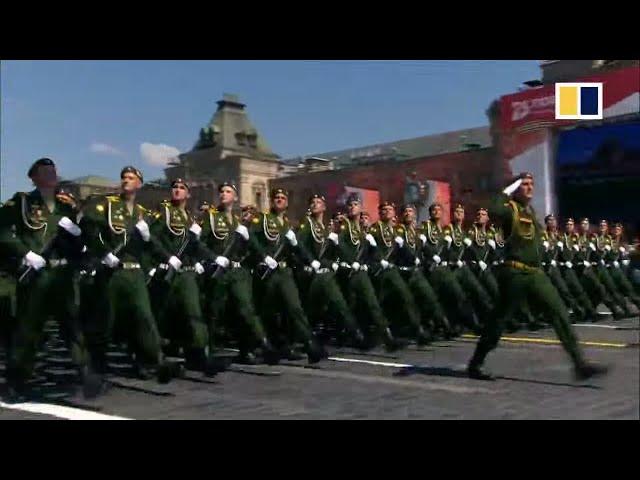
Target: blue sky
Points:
(92, 117)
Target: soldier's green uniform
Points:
(584, 259)
(605, 255)
(616, 260)
(409, 263)
(322, 294)
(455, 256)
(229, 296)
(568, 266)
(395, 296)
(270, 240)
(478, 252)
(550, 263)
(450, 293)
(355, 248)
(27, 224)
(176, 303)
(7, 297)
(122, 306)
(520, 277)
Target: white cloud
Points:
(158, 154)
(105, 149)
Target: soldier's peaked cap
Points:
(386, 204)
(180, 181)
(482, 209)
(549, 217)
(434, 205)
(409, 205)
(227, 184)
(604, 221)
(618, 224)
(570, 220)
(353, 197)
(40, 162)
(277, 191)
(134, 170)
(314, 196)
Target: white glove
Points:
(586, 264)
(195, 229)
(459, 264)
(423, 238)
(553, 263)
(371, 240)
(513, 187)
(622, 249)
(467, 242)
(417, 261)
(355, 266)
(152, 272)
(292, 238)
(199, 268)
(483, 266)
(384, 264)
(448, 239)
(69, 226)
(333, 237)
(436, 259)
(568, 264)
(143, 228)
(315, 265)
(335, 266)
(271, 263)
(111, 260)
(399, 241)
(607, 248)
(222, 261)
(546, 245)
(491, 243)
(560, 245)
(242, 231)
(602, 262)
(626, 262)
(34, 260)
(175, 263)
(592, 246)
(616, 264)
(576, 247)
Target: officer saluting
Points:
(521, 277)
(39, 229)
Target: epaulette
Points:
(255, 220)
(112, 198)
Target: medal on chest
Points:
(33, 214)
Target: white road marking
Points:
(59, 411)
(371, 362)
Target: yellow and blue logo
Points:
(579, 101)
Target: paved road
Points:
(535, 382)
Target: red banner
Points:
(535, 109)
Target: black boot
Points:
(17, 390)
(422, 337)
(359, 341)
(587, 370)
(392, 344)
(246, 358)
(315, 351)
(475, 372)
(270, 354)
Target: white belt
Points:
(444, 264)
(405, 269)
(58, 262)
(320, 270)
(130, 266)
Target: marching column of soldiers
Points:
(169, 282)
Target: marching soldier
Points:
(482, 244)
(521, 277)
(275, 249)
(395, 296)
(610, 266)
(116, 233)
(590, 280)
(553, 245)
(365, 221)
(39, 230)
(229, 289)
(569, 265)
(174, 289)
(356, 250)
(446, 285)
(323, 296)
(248, 212)
(624, 248)
(409, 261)
(477, 294)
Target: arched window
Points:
(258, 190)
